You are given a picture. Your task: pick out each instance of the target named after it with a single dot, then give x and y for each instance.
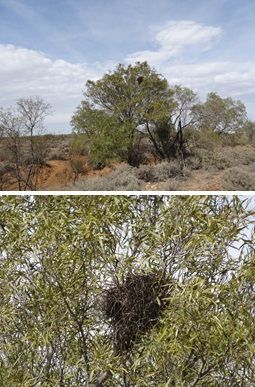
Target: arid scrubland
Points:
(132, 131)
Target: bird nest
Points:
(134, 307)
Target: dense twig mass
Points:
(134, 307)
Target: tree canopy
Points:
(134, 95)
(135, 102)
(222, 115)
(61, 255)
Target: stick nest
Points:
(134, 307)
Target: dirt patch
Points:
(60, 174)
(202, 181)
(55, 174)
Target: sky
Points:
(51, 48)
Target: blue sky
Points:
(51, 47)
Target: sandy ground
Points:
(58, 174)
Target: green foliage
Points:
(58, 254)
(222, 115)
(135, 100)
(117, 104)
(106, 138)
(78, 145)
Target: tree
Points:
(221, 115)
(167, 133)
(25, 122)
(106, 138)
(136, 97)
(249, 130)
(60, 256)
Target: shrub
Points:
(204, 138)
(78, 165)
(55, 154)
(146, 173)
(166, 170)
(158, 172)
(121, 179)
(210, 160)
(221, 158)
(170, 185)
(235, 179)
(233, 139)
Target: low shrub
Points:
(158, 172)
(170, 185)
(78, 165)
(236, 179)
(166, 170)
(221, 158)
(210, 160)
(234, 139)
(55, 154)
(121, 179)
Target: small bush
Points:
(210, 160)
(55, 154)
(121, 179)
(221, 158)
(236, 179)
(233, 139)
(204, 139)
(158, 172)
(6, 167)
(145, 173)
(166, 170)
(78, 165)
(170, 185)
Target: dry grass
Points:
(216, 161)
(221, 158)
(237, 179)
(159, 172)
(121, 179)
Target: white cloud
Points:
(186, 33)
(228, 78)
(176, 36)
(25, 72)
(179, 44)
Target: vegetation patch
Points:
(158, 172)
(235, 179)
(120, 179)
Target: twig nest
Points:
(134, 307)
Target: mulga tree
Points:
(221, 115)
(59, 256)
(139, 101)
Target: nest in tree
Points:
(134, 307)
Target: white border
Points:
(126, 193)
